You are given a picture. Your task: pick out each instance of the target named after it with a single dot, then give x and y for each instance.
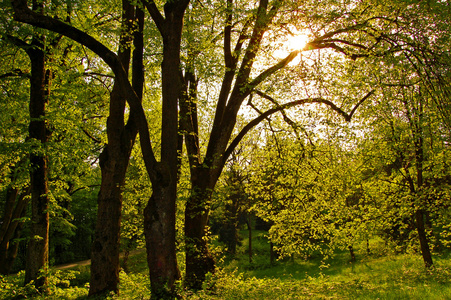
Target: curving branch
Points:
(270, 71)
(281, 107)
(23, 14)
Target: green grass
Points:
(371, 277)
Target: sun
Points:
(297, 42)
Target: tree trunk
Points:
(12, 249)
(38, 245)
(114, 161)
(11, 196)
(159, 230)
(10, 230)
(199, 260)
(272, 253)
(425, 250)
(352, 253)
(160, 212)
(105, 248)
(249, 227)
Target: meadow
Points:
(380, 274)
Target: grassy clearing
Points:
(378, 276)
(371, 277)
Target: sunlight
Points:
(297, 41)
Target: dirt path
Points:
(88, 262)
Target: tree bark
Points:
(10, 230)
(38, 245)
(114, 161)
(159, 230)
(249, 227)
(105, 248)
(13, 248)
(159, 214)
(352, 253)
(424, 244)
(417, 123)
(199, 260)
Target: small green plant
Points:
(59, 286)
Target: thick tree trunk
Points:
(38, 245)
(160, 212)
(199, 260)
(105, 248)
(159, 230)
(114, 161)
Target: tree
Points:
(115, 156)
(66, 174)
(353, 31)
(14, 84)
(39, 133)
(247, 32)
(160, 214)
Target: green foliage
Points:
(382, 276)
(59, 285)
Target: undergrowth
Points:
(371, 277)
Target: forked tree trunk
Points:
(160, 212)
(114, 161)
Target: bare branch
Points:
(270, 71)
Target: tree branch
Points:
(23, 14)
(155, 14)
(270, 71)
(269, 112)
(96, 140)
(15, 73)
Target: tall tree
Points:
(160, 214)
(115, 157)
(247, 30)
(38, 133)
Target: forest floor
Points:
(378, 275)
